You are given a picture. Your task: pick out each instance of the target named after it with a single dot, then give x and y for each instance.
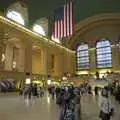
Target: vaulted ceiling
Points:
(82, 8)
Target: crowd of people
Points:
(114, 89)
(106, 106)
(68, 98)
(32, 90)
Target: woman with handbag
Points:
(106, 107)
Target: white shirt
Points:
(105, 104)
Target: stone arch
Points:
(90, 23)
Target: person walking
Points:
(77, 105)
(106, 107)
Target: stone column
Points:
(72, 63)
(92, 60)
(44, 57)
(21, 60)
(65, 61)
(62, 61)
(115, 58)
(2, 49)
(49, 61)
(28, 57)
(9, 57)
(58, 64)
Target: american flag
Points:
(63, 21)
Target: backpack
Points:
(59, 100)
(68, 115)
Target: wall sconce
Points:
(27, 81)
(3, 57)
(64, 78)
(14, 64)
(49, 82)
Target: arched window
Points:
(104, 54)
(38, 28)
(82, 57)
(15, 16)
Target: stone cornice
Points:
(36, 37)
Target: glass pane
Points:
(103, 43)
(82, 47)
(104, 57)
(13, 15)
(82, 56)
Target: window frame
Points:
(103, 65)
(37, 28)
(12, 19)
(86, 67)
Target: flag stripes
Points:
(63, 21)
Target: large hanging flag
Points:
(63, 21)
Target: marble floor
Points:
(13, 107)
(90, 108)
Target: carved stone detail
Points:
(2, 49)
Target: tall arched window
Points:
(104, 54)
(15, 16)
(39, 29)
(82, 57)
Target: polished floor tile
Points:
(14, 107)
(90, 109)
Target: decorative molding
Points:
(36, 38)
(2, 49)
